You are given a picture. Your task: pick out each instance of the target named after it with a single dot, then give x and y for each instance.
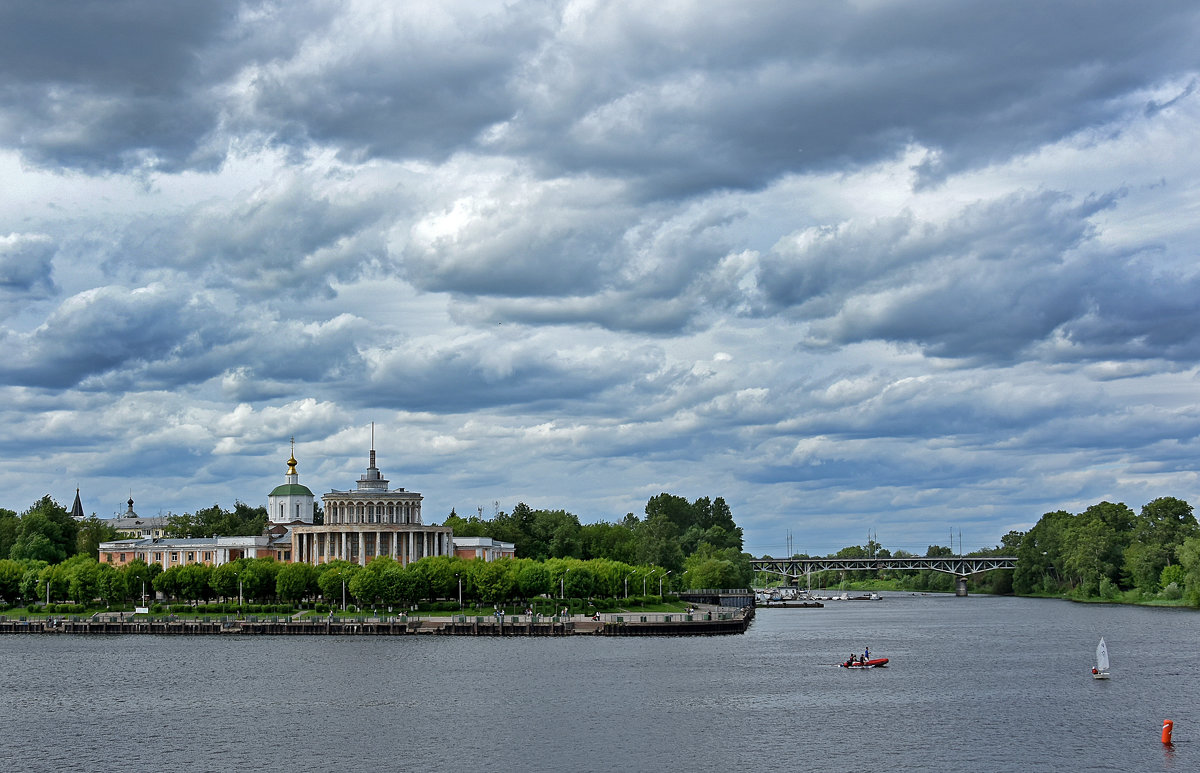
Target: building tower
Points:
(371, 520)
(290, 502)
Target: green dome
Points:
(291, 490)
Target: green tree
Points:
(580, 581)
(1188, 554)
(1161, 527)
(675, 509)
(257, 576)
(533, 579)
(167, 582)
(91, 533)
(1090, 543)
(47, 533)
(9, 525)
(10, 580)
(111, 584)
(493, 580)
(367, 585)
(332, 578)
(139, 577)
(82, 577)
(31, 580)
(295, 581)
(194, 582)
(658, 542)
(224, 580)
(1040, 555)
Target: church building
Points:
(291, 501)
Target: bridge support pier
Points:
(960, 587)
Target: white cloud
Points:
(846, 265)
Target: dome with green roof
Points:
(292, 501)
(291, 490)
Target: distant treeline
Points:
(999, 581)
(683, 544)
(697, 542)
(1110, 552)
(1106, 552)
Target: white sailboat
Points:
(1101, 669)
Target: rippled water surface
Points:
(974, 684)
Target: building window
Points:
(208, 555)
(174, 558)
(191, 556)
(122, 558)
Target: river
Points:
(974, 684)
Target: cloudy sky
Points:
(913, 268)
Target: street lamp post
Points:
(660, 582)
(459, 577)
(644, 576)
(343, 594)
(627, 583)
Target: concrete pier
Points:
(704, 623)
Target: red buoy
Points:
(1168, 727)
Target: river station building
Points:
(368, 521)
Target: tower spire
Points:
(372, 446)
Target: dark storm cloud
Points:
(109, 85)
(101, 330)
(1018, 276)
(568, 255)
(114, 338)
(289, 239)
(707, 96)
(478, 374)
(735, 95)
(399, 81)
(26, 265)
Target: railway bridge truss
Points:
(961, 567)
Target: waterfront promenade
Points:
(703, 621)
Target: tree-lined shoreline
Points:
(1105, 553)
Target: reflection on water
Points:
(986, 684)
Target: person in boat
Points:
(1095, 670)
(866, 653)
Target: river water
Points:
(974, 684)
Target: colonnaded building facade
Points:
(368, 521)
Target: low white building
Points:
(483, 547)
(213, 551)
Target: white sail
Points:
(1102, 656)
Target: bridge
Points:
(961, 567)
